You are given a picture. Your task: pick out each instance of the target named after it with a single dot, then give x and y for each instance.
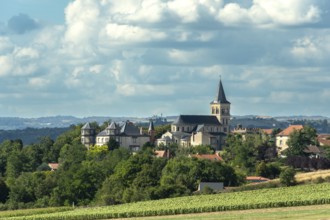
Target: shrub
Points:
(287, 177)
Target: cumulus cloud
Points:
(312, 48)
(266, 13)
(6, 64)
(167, 54)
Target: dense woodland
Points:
(112, 175)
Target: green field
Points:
(287, 213)
(266, 198)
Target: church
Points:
(193, 130)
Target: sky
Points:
(151, 57)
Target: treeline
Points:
(99, 175)
(111, 174)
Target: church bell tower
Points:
(220, 107)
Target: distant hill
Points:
(258, 123)
(31, 135)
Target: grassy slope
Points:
(310, 176)
(278, 197)
(289, 213)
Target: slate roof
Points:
(129, 129)
(312, 149)
(151, 126)
(197, 120)
(290, 129)
(220, 96)
(112, 126)
(86, 126)
(179, 134)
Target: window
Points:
(134, 139)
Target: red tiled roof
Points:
(160, 153)
(290, 129)
(53, 166)
(256, 178)
(213, 157)
(323, 139)
(268, 131)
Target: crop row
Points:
(265, 198)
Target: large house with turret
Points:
(193, 130)
(126, 134)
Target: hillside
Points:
(266, 198)
(31, 135)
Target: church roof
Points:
(221, 96)
(197, 120)
(151, 126)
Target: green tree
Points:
(299, 140)
(242, 152)
(4, 191)
(6, 149)
(287, 177)
(31, 187)
(202, 149)
(161, 129)
(113, 144)
(71, 137)
(118, 188)
(268, 170)
(72, 155)
(17, 163)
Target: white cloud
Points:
(144, 90)
(268, 13)
(159, 52)
(6, 46)
(6, 63)
(290, 12)
(26, 53)
(127, 34)
(312, 48)
(37, 82)
(186, 10)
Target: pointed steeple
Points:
(221, 96)
(151, 126)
